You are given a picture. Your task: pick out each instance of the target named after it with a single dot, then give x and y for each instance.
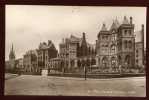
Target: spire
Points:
(12, 53)
(104, 27)
(125, 21)
(115, 24)
(12, 47)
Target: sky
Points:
(28, 25)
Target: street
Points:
(66, 86)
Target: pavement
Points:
(69, 86)
(9, 76)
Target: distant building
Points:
(11, 64)
(30, 62)
(19, 63)
(140, 52)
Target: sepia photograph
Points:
(75, 50)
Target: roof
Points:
(125, 20)
(74, 38)
(104, 28)
(115, 24)
(46, 46)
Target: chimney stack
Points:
(130, 20)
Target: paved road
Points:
(50, 85)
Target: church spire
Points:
(12, 53)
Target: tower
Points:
(83, 46)
(12, 58)
(102, 46)
(126, 43)
(12, 54)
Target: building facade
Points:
(140, 52)
(115, 47)
(30, 62)
(45, 52)
(73, 51)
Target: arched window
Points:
(72, 62)
(129, 32)
(119, 59)
(93, 61)
(113, 60)
(125, 31)
(130, 44)
(125, 43)
(113, 48)
(104, 61)
(127, 59)
(88, 62)
(78, 63)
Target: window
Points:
(136, 51)
(137, 61)
(130, 44)
(125, 32)
(125, 43)
(103, 37)
(129, 32)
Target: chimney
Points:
(83, 35)
(130, 20)
(63, 41)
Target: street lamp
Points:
(85, 70)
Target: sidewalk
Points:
(10, 75)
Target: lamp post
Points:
(85, 70)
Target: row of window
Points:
(127, 32)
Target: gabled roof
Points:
(74, 38)
(125, 20)
(115, 24)
(104, 28)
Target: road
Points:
(66, 86)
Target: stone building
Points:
(19, 63)
(139, 50)
(73, 51)
(30, 62)
(116, 46)
(45, 53)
